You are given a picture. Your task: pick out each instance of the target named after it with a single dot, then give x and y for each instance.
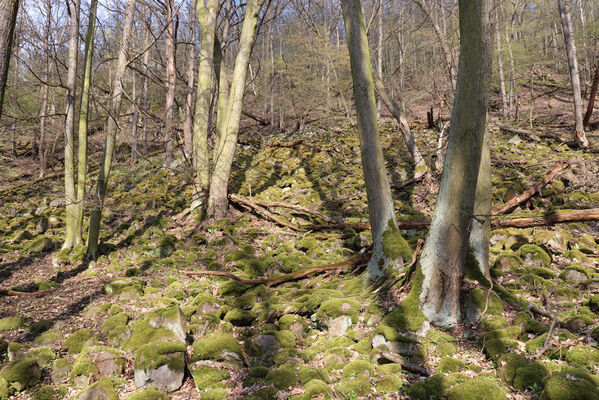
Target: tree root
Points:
(277, 280)
(9, 292)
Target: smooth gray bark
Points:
(444, 252)
(8, 20)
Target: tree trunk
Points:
(69, 161)
(207, 14)
(8, 20)
(379, 56)
(83, 119)
(188, 123)
(592, 97)
(574, 75)
(144, 82)
(45, 90)
(218, 201)
(111, 132)
(171, 80)
(446, 246)
(480, 232)
(504, 106)
(220, 73)
(385, 235)
(135, 121)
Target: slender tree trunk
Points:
(144, 83)
(380, 202)
(188, 124)
(555, 47)
(272, 77)
(218, 201)
(379, 56)
(69, 156)
(587, 64)
(83, 119)
(8, 20)
(480, 232)
(444, 252)
(592, 97)
(504, 106)
(45, 89)
(207, 13)
(111, 132)
(171, 80)
(574, 75)
(223, 97)
(135, 121)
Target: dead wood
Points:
(261, 120)
(294, 207)
(405, 364)
(9, 292)
(524, 134)
(277, 280)
(549, 218)
(534, 189)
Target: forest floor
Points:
(139, 313)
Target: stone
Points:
(339, 326)
(161, 364)
(172, 319)
(574, 276)
(60, 370)
(401, 348)
(59, 202)
(22, 373)
(97, 361)
(101, 390)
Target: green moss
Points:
(103, 389)
(144, 333)
(39, 327)
(215, 394)
(337, 307)
(394, 245)
(307, 373)
(490, 323)
(407, 314)
(307, 243)
(537, 343)
(531, 375)
(150, 393)
(43, 355)
(78, 340)
(316, 388)
(11, 323)
(449, 364)
(206, 377)
(239, 317)
(478, 297)
(389, 384)
(153, 355)
(21, 374)
(359, 386)
(283, 377)
(358, 368)
(582, 356)
(480, 388)
(287, 321)
(534, 255)
(530, 325)
(569, 386)
(508, 365)
(215, 346)
(446, 349)
(390, 368)
(363, 346)
(542, 272)
(48, 393)
(114, 322)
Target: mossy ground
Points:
(270, 342)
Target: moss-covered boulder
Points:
(104, 389)
(48, 393)
(21, 374)
(218, 346)
(351, 388)
(334, 308)
(97, 361)
(450, 364)
(315, 389)
(60, 370)
(149, 393)
(239, 317)
(11, 323)
(534, 255)
(574, 274)
(78, 340)
(570, 385)
(143, 333)
(480, 388)
(206, 377)
(294, 323)
(508, 365)
(161, 364)
(215, 394)
(171, 318)
(531, 375)
(283, 377)
(582, 356)
(358, 368)
(116, 321)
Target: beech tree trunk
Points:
(207, 13)
(171, 80)
(480, 233)
(574, 75)
(592, 97)
(380, 202)
(69, 149)
(444, 252)
(8, 20)
(111, 132)
(504, 106)
(191, 63)
(218, 200)
(45, 90)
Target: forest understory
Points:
(73, 327)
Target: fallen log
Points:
(277, 280)
(9, 292)
(534, 189)
(549, 218)
(405, 364)
(524, 134)
(294, 207)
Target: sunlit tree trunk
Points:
(574, 75)
(8, 20)
(111, 132)
(171, 80)
(207, 13)
(191, 63)
(380, 203)
(45, 90)
(144, 82)
(220, 73)
(444, 252)
(504, 105)
(480, 232)
(218, 200)
(69, 152)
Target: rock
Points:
(218, 346)
(515, 140)
(59, 202)
(42, 225)
(268, 344)
(78, 340)
(339, 326)
(150, 393)
(570, 385)
(206, 377)
(402, 348)
(101, 390)
(574, 276)
(478, 388)
(16, 351)
(161, 364)
(43, 245)
(21, 374)
(97, 361)
(294, 323)
(171, 318)
(60, 370)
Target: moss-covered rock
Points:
(161, 364)
(144, 333)
(171, 318)
(11, 323)
(334, 308)
(21, 374)
(449, 364)
(97, 361)
(531, 375)
(283, 377)
(206, 377)
(480, 388)
(351, 388)
(48, 393)
(534, 255)
(115, 321)
(78, 340)
(316, 389)
(150, 393)
(218, 346)
(43, 355)
(582, 356)
(239, 317)
(358, 368)
(215, 394)
(508, 365)
(104, 389)
(569, 386)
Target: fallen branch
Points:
(547, 339)
(524, 134)
(550, 218)
(277, 280)
(549, 176)
(271, 204)
(406, 364)
(251, 204)
(9, 292)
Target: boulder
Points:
(161, 364)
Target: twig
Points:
(406, 364)
(9, 292)
(547, 339)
